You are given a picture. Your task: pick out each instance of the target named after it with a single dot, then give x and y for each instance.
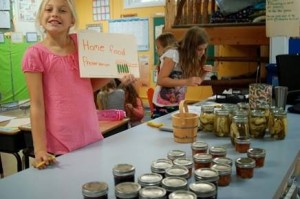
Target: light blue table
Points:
(140, 146)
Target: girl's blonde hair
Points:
(167, 40)
(71, 4)
(189, 60)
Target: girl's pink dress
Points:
(70, 112)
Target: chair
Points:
(288, 67)
(150, 93)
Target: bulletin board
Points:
(139, 27)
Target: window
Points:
(101, 10)
(143, 3)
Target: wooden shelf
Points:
(229, 34)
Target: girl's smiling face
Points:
(57, 16)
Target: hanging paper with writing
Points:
(107, 55)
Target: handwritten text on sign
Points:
(108, 55)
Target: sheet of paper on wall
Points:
(5, 19)
(4, 4)
(107, 55)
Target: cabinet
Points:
(237, 34)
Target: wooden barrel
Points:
(185, 124)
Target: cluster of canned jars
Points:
(239, 121)
(171, 177)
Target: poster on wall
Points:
(4, 4)
(27, 10)
(5, 19)
(107, 55)
(283, 13)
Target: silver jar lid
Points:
(203, 189)
(244, 162)
(173, 154)
(222, 169)
(202, 157)
(206, 174)
(182, 194)
(160, 165)
(94, 189)
(150, 179)
(123, 169)
(152, 192)
(177, 171)
(256, 152)
(127, 190)
(187, 162)
(199, 145)
(217, 150)
(222, 160)
(174, 183)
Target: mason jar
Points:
(258, 155)
(160, 165)
(202, 160)
(245, 167)
(207, 118)
(150, 179)
(280, 125)
(128, 190)
(207, 175)
(173, 154)
(95, 190)
(224, 171)
(222, 123)
(199, 147)
(239, 127)
(152, 192)
(257, 124)
(217, 151)
(186, 162)
(123, 173)
(177, 171)
(203, 190)
(182, 194)
(172, 184)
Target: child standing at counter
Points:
(181, 66)
(63, 113)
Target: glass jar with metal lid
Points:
(150, 179)
(258, 155)
(242, 144)
(273, 109)
(186, 162)
(207, 116)
(243, 106)
(95, 190)
(207, 175)
(231, 108)
(239, 127)
(257, 124)
(152, 192)
(199, 147)
(160, 165)
(172, 184)
(280, 125)
(202, 160)
(224, 171)
(177, 171)
(203, 190)
(182, 194)
(222, 160)
(217, 151)
(173, 154)
(128, 190)
(222, 123)
(123, 173)
(245, 167)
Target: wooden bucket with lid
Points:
(185, 124)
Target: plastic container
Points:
(95, 190)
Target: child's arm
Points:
(136, 113)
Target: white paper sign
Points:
(107, 55)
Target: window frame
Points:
(128, 4)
